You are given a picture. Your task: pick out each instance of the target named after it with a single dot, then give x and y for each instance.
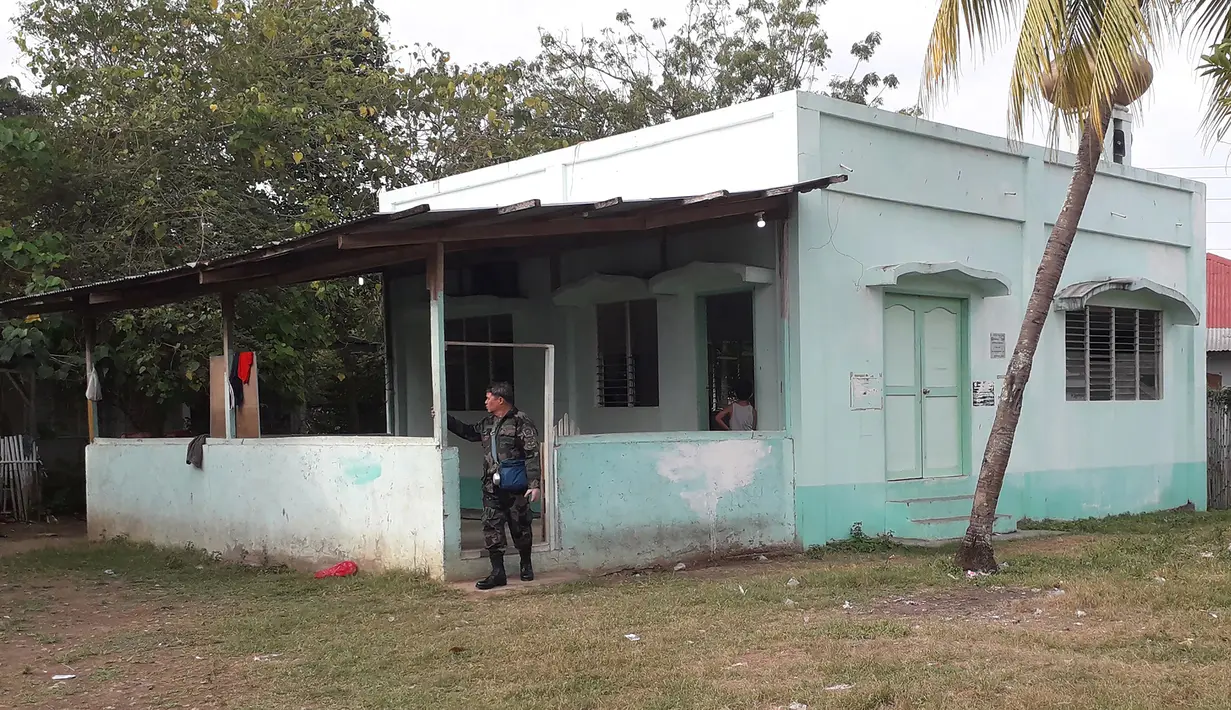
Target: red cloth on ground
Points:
(341, 569)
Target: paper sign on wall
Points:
(983, 393)
(865, 391)
(997, 346)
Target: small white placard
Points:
(866, 391)
(997, 346)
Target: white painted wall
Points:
(746, 147)
(309, 501)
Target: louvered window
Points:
(1113, 354)
(627, 368)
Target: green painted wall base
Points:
(472, 492)
(937, 509)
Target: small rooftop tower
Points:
(1118, 143)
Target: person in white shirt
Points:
(739, 415)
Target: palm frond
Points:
(1215, 68)
(1042, 21)
(1209, 25)
(985, 23)
(1209, 19)
(1117, 40)
(1074, 58)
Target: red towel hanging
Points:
(245, 366)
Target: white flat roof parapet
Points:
(741, 147)
(692, 158)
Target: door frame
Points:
(702, 348)
(964, 381)
(547, 458)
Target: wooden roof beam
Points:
(634, 222)
(430, 235)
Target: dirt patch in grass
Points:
(123, 647)
(965, 603)
(16, 538)
(1066, 544)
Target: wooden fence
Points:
(1218, 449)
(21, 479)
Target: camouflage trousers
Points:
(501, 508)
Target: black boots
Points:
(497, 578)
(527, 570)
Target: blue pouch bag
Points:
(513, 476)
(512, 472)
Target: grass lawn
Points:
(1131, 612)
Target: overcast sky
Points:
(1166, 133)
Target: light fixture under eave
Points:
(761, 220)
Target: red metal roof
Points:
(1218, 291)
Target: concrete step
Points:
(930, 507)
(948, 527)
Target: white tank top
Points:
(743, 417)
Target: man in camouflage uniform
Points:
(517, 438)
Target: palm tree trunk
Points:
(976, 551)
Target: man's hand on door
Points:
(533, 494)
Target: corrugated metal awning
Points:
(1077, 296)
(1218, 340)
(379, 241)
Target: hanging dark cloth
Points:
(196, 452)
(237, 384)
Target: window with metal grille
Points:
(471, 369)
(627, 374)
(1113, 354)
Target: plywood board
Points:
(247, 417)
(217, 398)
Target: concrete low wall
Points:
(307, 501)
(645, 498)
(827, 512)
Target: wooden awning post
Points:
(436, 306)
(90, 407)
(386, 309)
(228, 319)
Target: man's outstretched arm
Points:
(469, 432)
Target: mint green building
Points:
(882, 326)
(872, 302)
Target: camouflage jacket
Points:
(518, 439)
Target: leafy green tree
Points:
(624, 79)
(198, 128)
(213, 127)
(858, 89)
(466, 118)
(30, 254)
